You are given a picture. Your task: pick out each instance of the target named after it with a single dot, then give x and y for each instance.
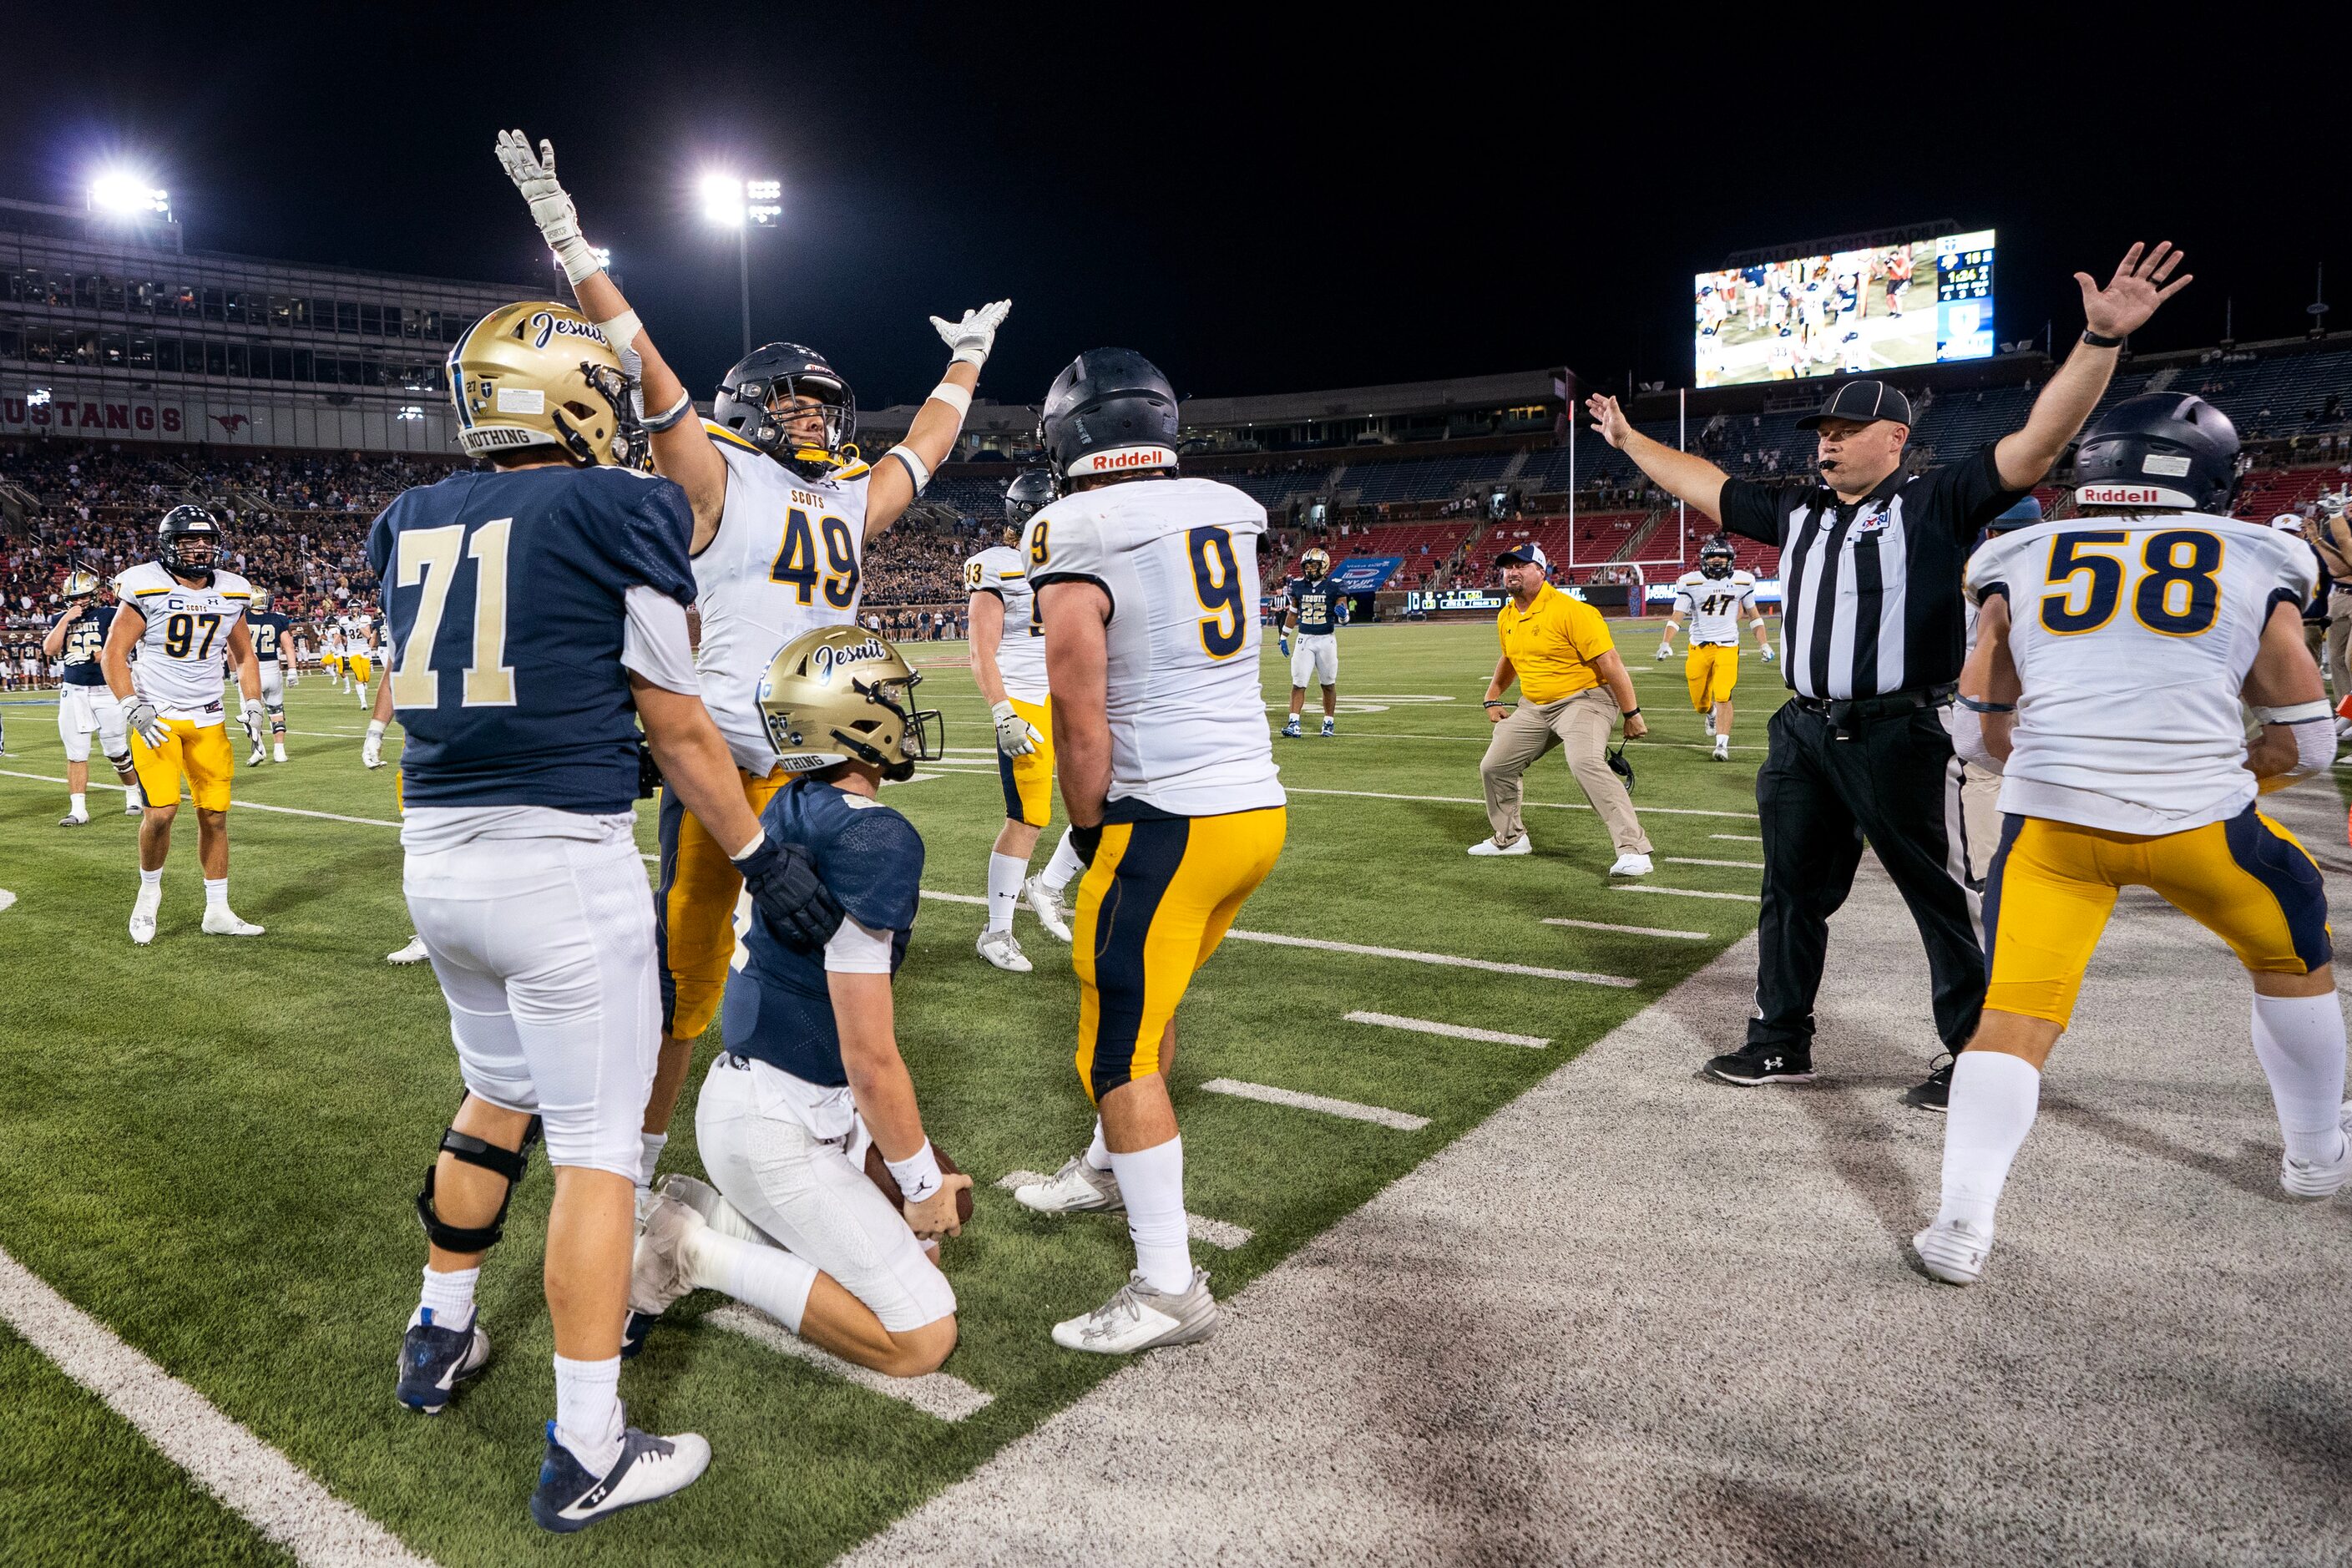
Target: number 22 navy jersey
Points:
(1316, 602)
(505, 594)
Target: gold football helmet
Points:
(537, 374)
(843, 694)
(1316, 562)
(80, 584)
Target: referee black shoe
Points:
(1751, 1065)
(1935, 1093)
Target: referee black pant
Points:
(1896, 782)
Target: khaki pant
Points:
(1980, 817)
(1582, 724)
(2339, 629)
(2315, 637)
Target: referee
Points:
(1872, 642)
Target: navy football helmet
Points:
(1714, 557)
(2160, 450)
(776, 372)
(1031, 488)
(1109, 412)
(188, 542)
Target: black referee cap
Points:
(1863, 401)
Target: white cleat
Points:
(1723, 748)
(143, 926)
(1076, 1188)
(257, 758)
(413, 954)
(1630, 866)
(74, 819)
(2320, 1178)
(278, 752)
(658, 1272)
(1046, 905)
(1522, 845)
(222, 921)
(1954, 1250)
(1140, 1318)
(1710, 723)
(135, 803)
(1000, 949)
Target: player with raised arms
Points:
(783, 509)
(84, 703)
(1714, 597)
(1148, 585)
(538, 614)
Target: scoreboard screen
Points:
(1850, 313)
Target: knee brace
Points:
(507, 1163)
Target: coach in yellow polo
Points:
(1573, 688)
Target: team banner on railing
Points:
(1364, 573)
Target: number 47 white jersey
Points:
(1712, 606)
(2133, 635)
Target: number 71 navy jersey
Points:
(505, 595)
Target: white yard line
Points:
(1738, 838)
(1685, 892)
(933, 1394)
(1453, 1031)
(1628, 930)
(1546, 804)
(1402, 1121)
(276, 1497)
(1695, 860)
(1199, 1226)
(7, 900)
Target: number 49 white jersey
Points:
(1712, 606)
(1178, 559)
(2132, 636)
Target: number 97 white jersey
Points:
(183, 653)
(2133, 635)
(1178, 559)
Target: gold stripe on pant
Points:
(1582, 724)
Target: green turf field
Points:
(213, 1145)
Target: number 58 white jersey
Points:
(1178, 559)
(2133, 635)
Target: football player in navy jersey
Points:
(84, 703)
(274, 651)
(1313, 609)
(538, 612)
(809, 1070)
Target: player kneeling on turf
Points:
(810, 1068)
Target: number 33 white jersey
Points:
(1178, 559)
(788, 559)
(182, 655)
(2133, 635)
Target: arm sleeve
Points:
(858, 948)
(1751, 510)
(653, 642)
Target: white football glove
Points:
(139, 715)
(1665, 650)
(551, 206)
(972, 337)
(1767, 653)
(372, 749)
(1016, 736)
(256, 720)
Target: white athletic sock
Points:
(1994, 1097)
(1005, 875)
(754, 1273)
(80, 799)
(151, 878)
(1063, 866)
(2300, 1042)
(588, 1411)
(649, 1148)
(449, 1295)
(1098, 1151)
(1152, 1183)
(215, 892)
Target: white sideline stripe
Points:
(1199, 1226)
(1402, 1120)
(7, 900)
(1546, 804)
(248, 1476)
(1448, 960)
(1738, 838)
(1695, 860)
(1686, 893)
(934, 1393)
(1456, 1031)
(238, 804)
(1629, 931)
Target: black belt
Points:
(1846, 711)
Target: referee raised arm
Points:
(1872, 645)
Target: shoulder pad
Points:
(726, 438)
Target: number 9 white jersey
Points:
(1179, 560)
(182, 655)
(2133, 635)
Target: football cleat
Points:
(1077, 1187)
(1522, 845)
(1954, 1250)
(258, 757)
(1330, 728)
(658, 1272)
(1630, 865)
(74, 819)
(1753, 1065)
(1935, 1091)
(2320, 1178)
(1000, 949)
(1710, 721)
(1046, 905)
(222, 921)
(1723, 748)
(413, 954)
(1290, 732)
(1140, 1318)
(278, 752)
(435, 1359)
(143, 926)
(648, 1470)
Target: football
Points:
(877, 1171)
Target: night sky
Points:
(1450, 191)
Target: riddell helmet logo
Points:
(1120, 459)
(2130, 495)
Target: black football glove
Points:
(649, 773)
(784, 883)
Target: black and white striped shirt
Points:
(1870, 593)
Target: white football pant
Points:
(80, 709)
(1314, 661)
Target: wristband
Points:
(917, 469)
(2099, 342)
(575, 255)
(1495, 702)
(375, 730)
(1629, 712)
(954, 397)
(750, 848)
(2296, 712)
(622, 330)
(1974, 706)
(972, 354)
(917, 1175)
(671, 418)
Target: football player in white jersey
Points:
(359, 653)
(1714, 597)
(186, 618)
(783, 509)
(1008, 665)
(2114, 649)
(1148, 587)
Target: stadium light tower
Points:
(119, 193)
(742, 206)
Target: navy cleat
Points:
(634, 1333)
(435, 1359)
(1290, 730)
(648, 1470)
